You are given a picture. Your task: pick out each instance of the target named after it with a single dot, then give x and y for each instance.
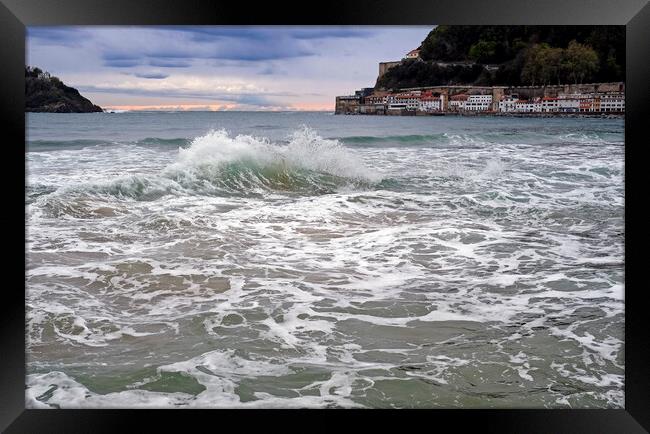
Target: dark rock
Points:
(45, 93)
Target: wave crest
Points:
(217, 162)
(220, 164)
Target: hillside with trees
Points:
(45, 93)
(513, 55)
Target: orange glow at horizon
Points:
(220, 107)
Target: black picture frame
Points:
(15, 15)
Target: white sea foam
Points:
(305, 150)
(473, 261)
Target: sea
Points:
(307, 260)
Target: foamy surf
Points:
(479, 266)
(220, 164)
(247, 163)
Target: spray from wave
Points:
(220, 164)
(217, 163)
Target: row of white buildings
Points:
(563, 103)
(414, 100)
(369, 101)
(470, 102)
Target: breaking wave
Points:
(219, 164)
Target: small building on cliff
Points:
(413, 54)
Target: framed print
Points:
(378, 208)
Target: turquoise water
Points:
(235, 259)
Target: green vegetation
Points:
(45, 93)
(548, 65)
(413, 73)
(513, 55)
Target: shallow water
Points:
(310, 260)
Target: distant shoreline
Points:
(603, 115)
(613, 115)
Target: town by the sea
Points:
(302, 259)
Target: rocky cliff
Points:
(45, 93)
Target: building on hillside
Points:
(413, 54)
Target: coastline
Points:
(592, 99)
(603, 115)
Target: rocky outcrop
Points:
(45, 93)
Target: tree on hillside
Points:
(544, 63)
(533, 69)
(524, 55)
(551, 58)
(580, 61)
(483, 52)
(609, 44)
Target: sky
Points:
(218, 67)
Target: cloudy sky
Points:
(218, 67)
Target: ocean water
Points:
(309, 260)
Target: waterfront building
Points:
(596, 106)
(478, 102)
(407, 101)
(568, 102)
(507, 103)
(457, 102)
(376, 98)
(549, 104)
(523, 106)
(586, 104)
(612, 102)
(430, 103)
